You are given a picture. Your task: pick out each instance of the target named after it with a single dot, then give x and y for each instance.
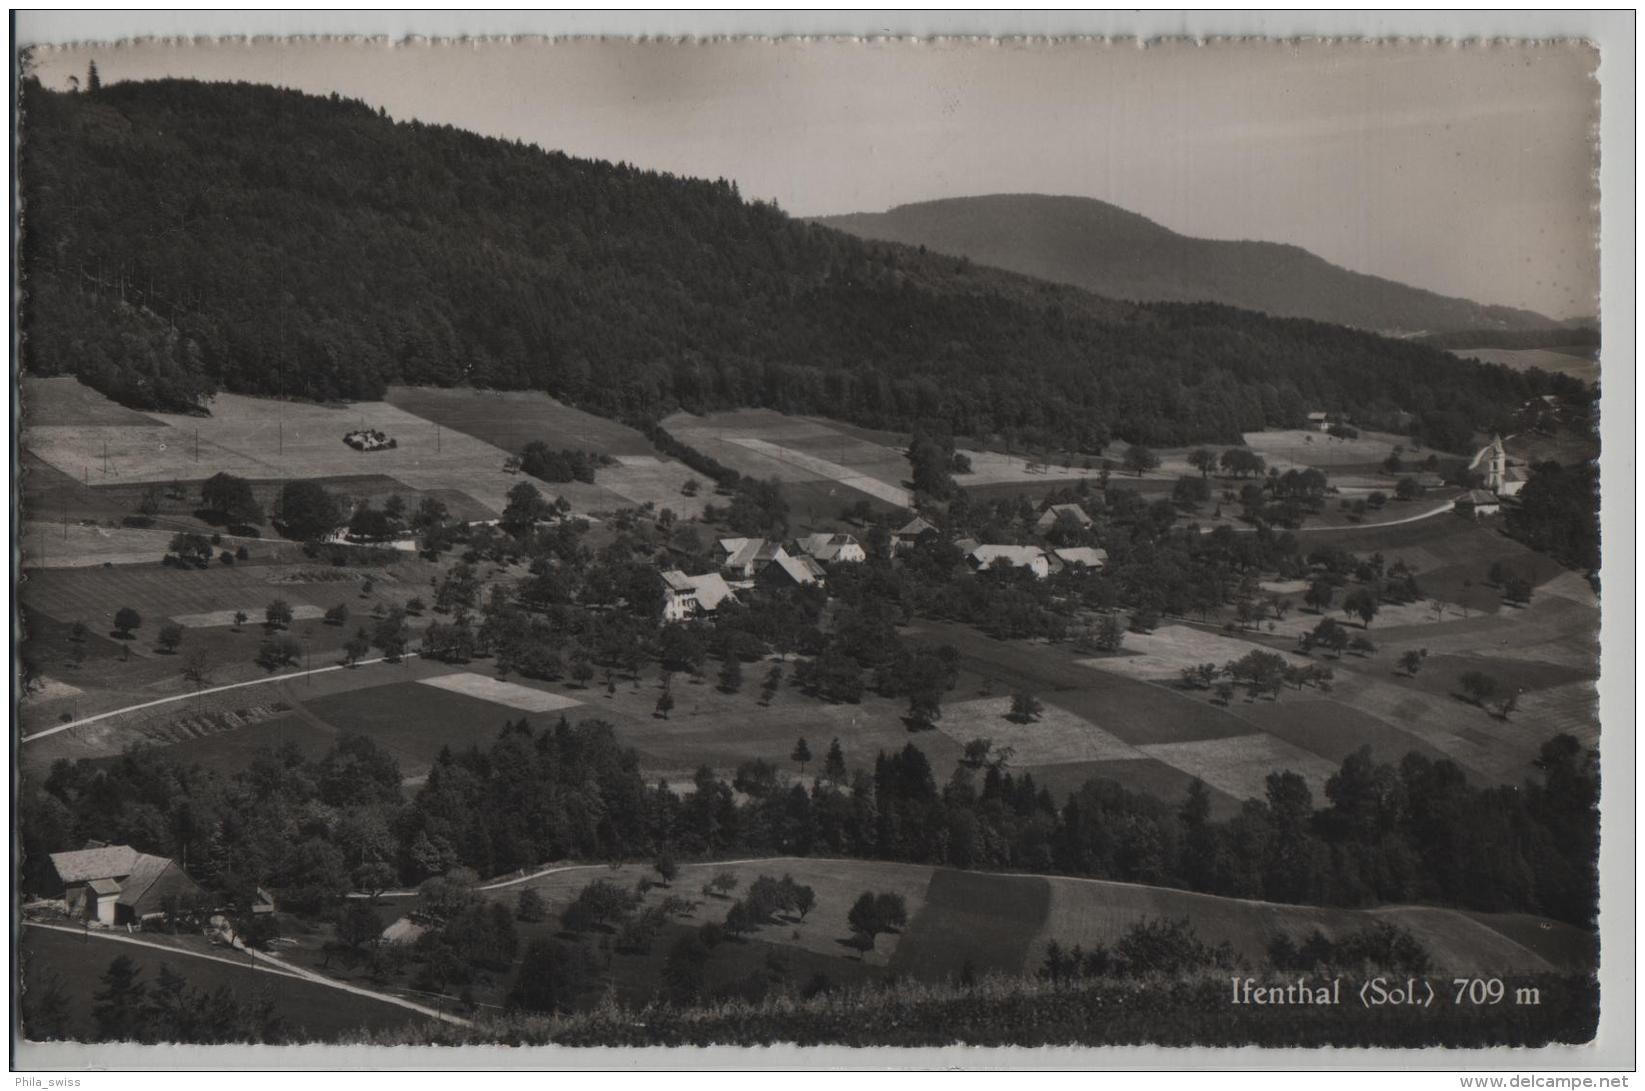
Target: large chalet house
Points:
(116, 884)
(690, 596)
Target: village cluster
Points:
(746, 563)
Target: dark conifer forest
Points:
(182, 238)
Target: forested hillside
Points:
(1108, 250)
(181, 238)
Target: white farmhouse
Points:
(984, 557)
(688, 596)
(832, 548)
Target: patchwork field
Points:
(509, 419)
(457, 451)
(830, 471)
(498, 692)
(411, 720)
(1055, 737)
(1240, 766)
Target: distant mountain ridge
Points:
(1108, 250)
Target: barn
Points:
(116, 884)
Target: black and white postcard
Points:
(824, 541)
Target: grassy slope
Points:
(1002, 922)
(313, 1010)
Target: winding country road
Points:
(272, 963)
(203, 692)
(1350, 526)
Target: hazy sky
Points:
(1465, 169)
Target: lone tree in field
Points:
(277, 651)
(1319, 596)
(1411, 661)
(665, 705)
(1203, 459)
(125, 620)
(307, 512)
(1360, 602)
(239, 619)
(169, 638)
(337, 615)
(231, 498)
(872, 914)
(721, 885)
(356, 647)
(1478, 687)
(801, 755)
(1025, 707)
(667, 869)
(278, 614)
(1139, 459)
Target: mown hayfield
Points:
(647, 479)
(1240, 766)
(510, 419)
(1161, 656)
(500, 692)
(849, 476)
(1055, 737)
(313, 1011)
